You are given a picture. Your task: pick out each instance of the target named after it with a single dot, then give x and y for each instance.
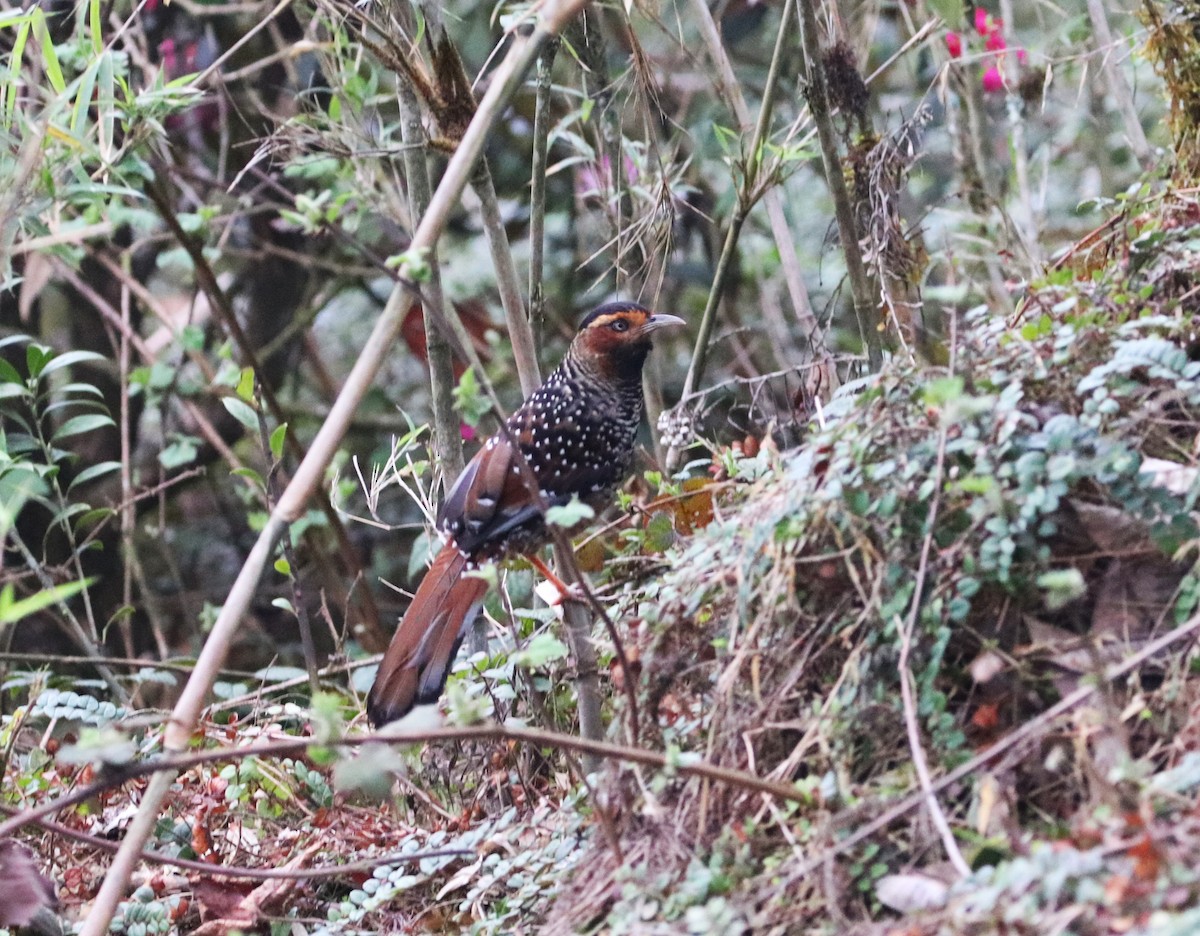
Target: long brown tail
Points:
(417, 662)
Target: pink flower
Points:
(1022, 57)
(995, 42)
(468, 432)
(981, 21)
(954, 44)
(992, 80)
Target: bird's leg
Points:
(565, 592)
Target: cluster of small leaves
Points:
(65, 705)
(145, 914)
(698, 899)
(502, 885)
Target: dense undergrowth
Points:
(950, 554)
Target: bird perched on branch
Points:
(573, 437)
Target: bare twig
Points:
(208, 869)
(906, 628)
(172, 764)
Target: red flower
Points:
(981, 21)
(954, 44)
(995, 42)
(993, 80)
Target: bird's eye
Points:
(619, 325)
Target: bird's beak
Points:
(661, 320)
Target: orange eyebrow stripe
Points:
(612, 317)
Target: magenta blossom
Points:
(954, 44)
(992, 80)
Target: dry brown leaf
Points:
(24, 890)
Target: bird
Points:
(572, 438)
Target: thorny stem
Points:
(247, 874)
(553, 15)
(128, 510)
(447, 435)
(577, 623)
(708, 319)
(818, 103)
(537, 189)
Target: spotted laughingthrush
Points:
(576, 433)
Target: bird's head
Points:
(614, 339)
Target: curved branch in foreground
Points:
(171, 764)
(550, 18)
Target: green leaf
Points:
(94, 26)
(283, 567)
(277, 440)
(250, 474)
(660, 532)
(78, 425)
(542, 649)
(242, 411)
(9, 375)
(469, 400)
(14, 339)
(106, 104)
(245, 385)
(99, 745)
(570, 514)
(49, 55)
(1061, 587)
(283, 605)
(279, 673)
(13, 84)
(36, 356)
(941, 391)
(12, 610)
(370, 773)
(949, 10)
(181, 452)
(92, 472)
(66, 359)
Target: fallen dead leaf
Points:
(24, 890)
